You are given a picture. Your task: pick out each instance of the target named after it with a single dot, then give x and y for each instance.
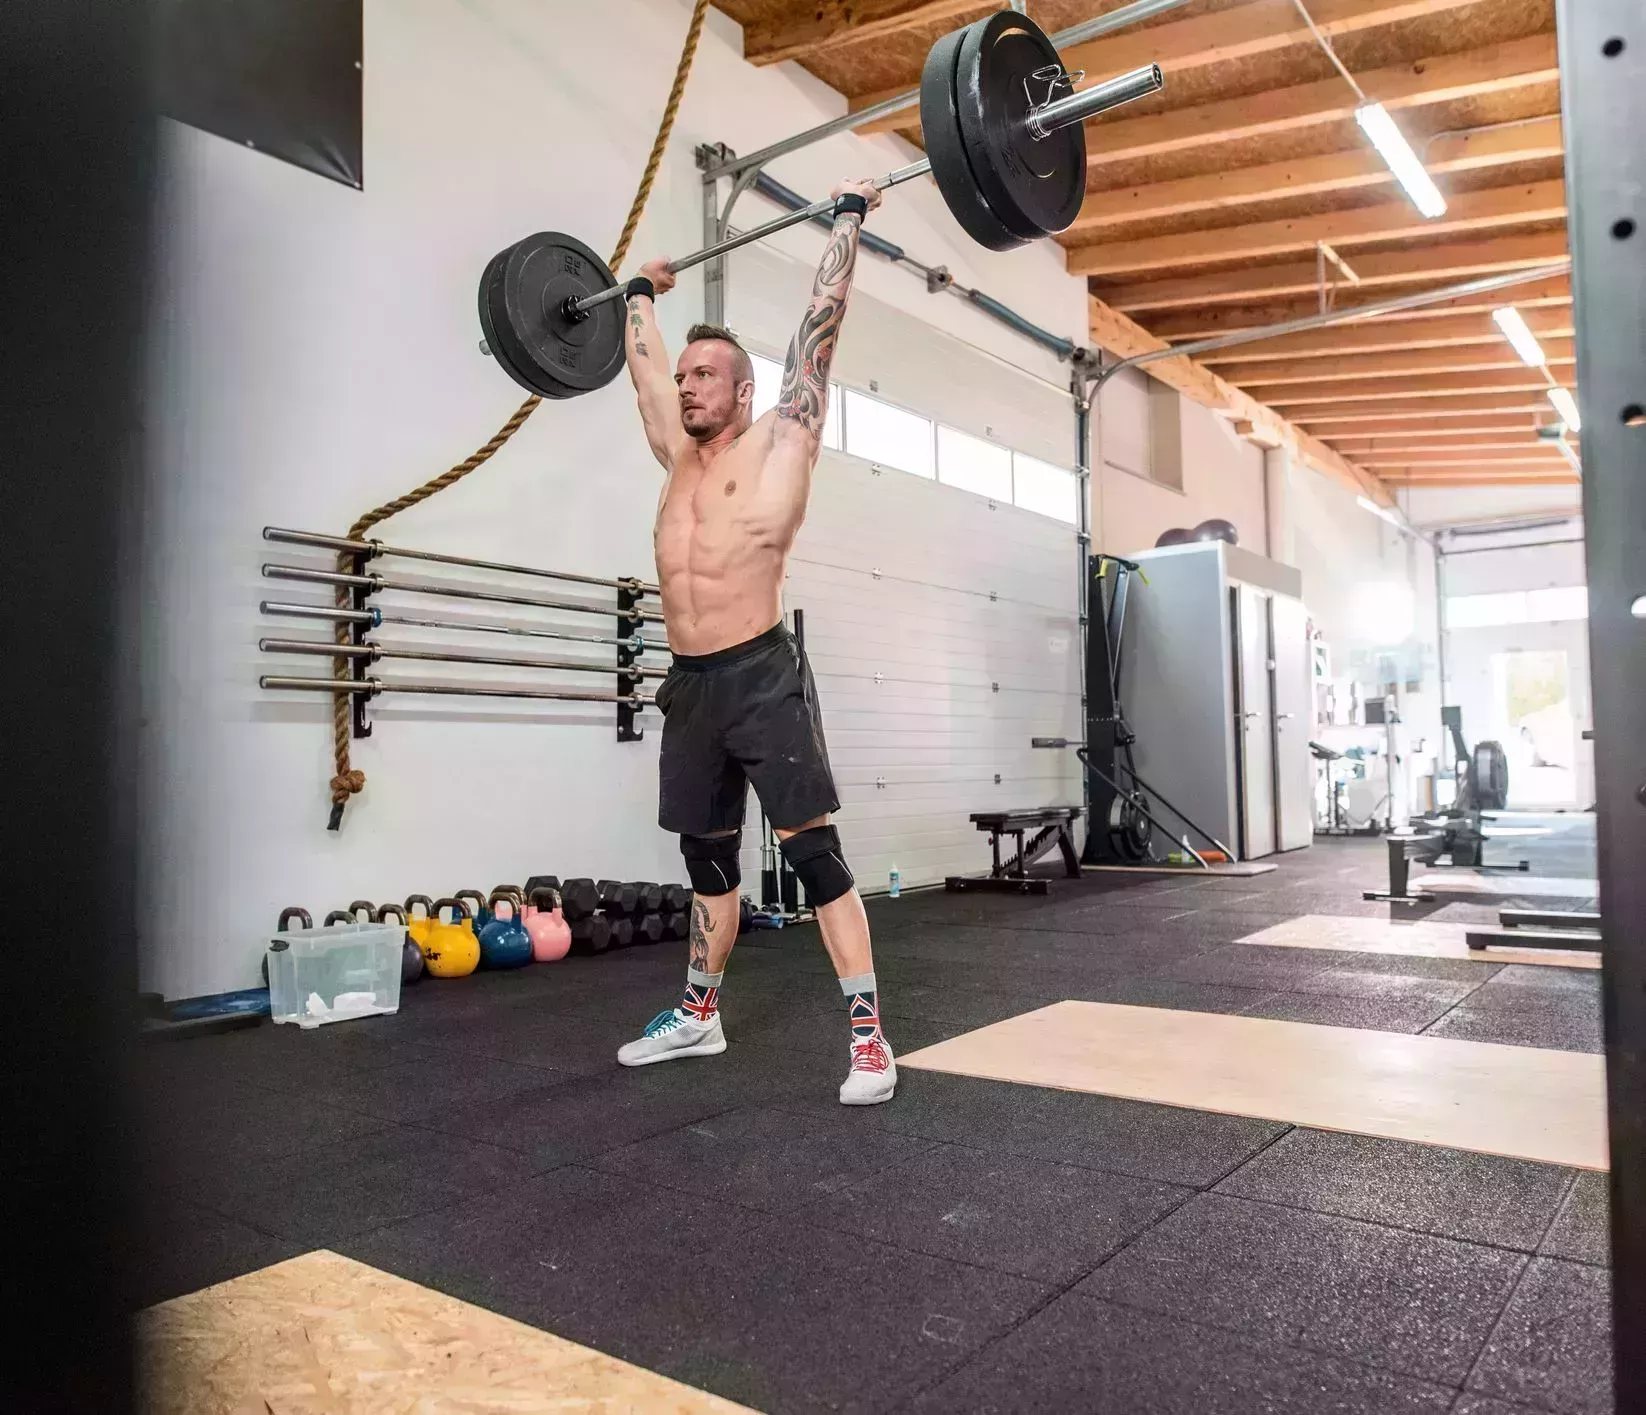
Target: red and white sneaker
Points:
(873, 1077)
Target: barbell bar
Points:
(371, 687)
(371, 652)
(1004, 143)
(372, 582)
(369, 549)
(373, 618)
(1041, 122)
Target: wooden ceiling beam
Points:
(1437, 386)
(1414, 476)
(1217, 39)
(1466, 214)
(1398, 436)
(1375, 269)
(1553, 293)
(1310, 176)
(1482, 459)
(1336, 419)
(1124, 337)
(1372, 336)
(1398, 363)
(832, 24)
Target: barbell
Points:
(1004, 142)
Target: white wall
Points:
(1460, 505)
(316, 354)
(1222, 475)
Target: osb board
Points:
(1419, 938)
(324, 1335)
(1519, 1102)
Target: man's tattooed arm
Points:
(804, 397)
(653, 383)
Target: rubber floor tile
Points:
(1083, 1355)
(1175, 1146)
(426, 1084)
(1406, 1302)
(1583, 1230)
(1560, 1026)
(181, 1247)
(1453, 1193)
(1051, 1222)
(769, 1160)
(787, 1317)
(1553, 1346)
(328, 1192)
(1409, 1015)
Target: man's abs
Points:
(722, 540)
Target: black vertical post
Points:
(75, 167)
(1102, 713)
(629, 623)
(359, 668)
(1603, 110)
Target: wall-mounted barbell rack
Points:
(358, 651)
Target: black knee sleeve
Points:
(816, 859)
(711, 862)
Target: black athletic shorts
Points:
(747, 713)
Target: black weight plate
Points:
(940, 125)
(495, 342)
(526, 298)
(1033, 185)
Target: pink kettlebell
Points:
(551, 935)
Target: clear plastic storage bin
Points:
(332, 974)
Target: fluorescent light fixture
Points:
(1367, 504)
(1393, 148)
(1509, 320)
(1569, 455)
(1566, 406)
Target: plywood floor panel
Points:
(1521, 1102)
(1418, 939)
(324, 1335)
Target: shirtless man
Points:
(739, 704)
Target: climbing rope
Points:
(348, 780)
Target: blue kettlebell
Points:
(504, 942)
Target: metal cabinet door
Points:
(1255, 723)
(1293, 692)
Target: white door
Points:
(1294, 767)
(1254, 712)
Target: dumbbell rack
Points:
(354, 586)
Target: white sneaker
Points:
(672, 1034)
(873, 1077)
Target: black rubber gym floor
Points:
(971, 1246)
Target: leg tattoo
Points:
(702, 926)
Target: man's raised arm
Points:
(803, 402)
(649, 365)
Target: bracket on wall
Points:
(359, 723)
(629, 623)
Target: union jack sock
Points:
(863, 1007)
(702, 999)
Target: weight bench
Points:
(1052, 825)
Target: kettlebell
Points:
(292, 911)
(479, 914)
(551, 935)
(411, 955)
(339, 916)
(504, 942)
(452, 950)
(370, 911)
(417, 925)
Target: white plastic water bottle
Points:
(896, 882)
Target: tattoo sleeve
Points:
(804, 396)
(702, 927)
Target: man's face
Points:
(711, 399)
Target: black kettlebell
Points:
(411, 956)
(368, 915)
(291, 911)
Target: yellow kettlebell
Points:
(418, 925)
(451, 949)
